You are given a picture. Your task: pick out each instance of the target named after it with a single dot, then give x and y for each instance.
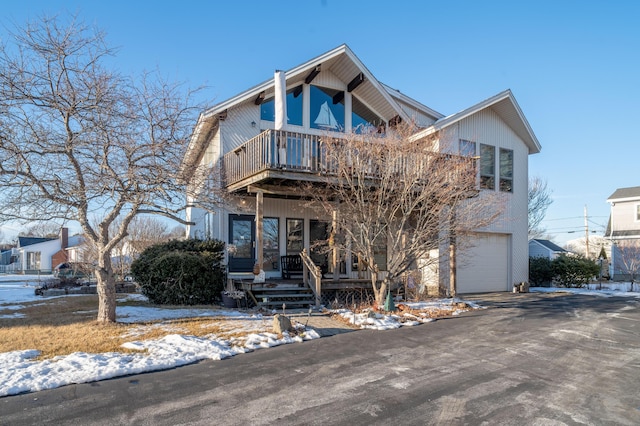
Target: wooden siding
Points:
(623, 216)
(420, 118)
(486, 127)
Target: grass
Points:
(61, 326)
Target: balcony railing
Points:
(305, 153)
(274, 149)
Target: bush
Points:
(574, 271)
(540, 272)
(181, 272)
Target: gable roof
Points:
(625, 194)
(29, 241)
(343, 63)
(505, 105)
(548, 245)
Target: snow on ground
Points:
(608, 290)
(20, 373)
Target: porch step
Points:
(282, 295)
(291, 295)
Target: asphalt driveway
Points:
(541, 359)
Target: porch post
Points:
(259, 229)
(336, 250)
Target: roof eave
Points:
(530, 138)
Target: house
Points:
(335, 93)
(623, 230)
(41, 255)
(545, 248)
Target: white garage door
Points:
(485, 266)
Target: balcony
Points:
(278, 156)
(274, 155)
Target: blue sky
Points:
(572, 66)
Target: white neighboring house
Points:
(41, 255)
(624, 225)
(336, 91)
(545, 248)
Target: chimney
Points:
(64, 238)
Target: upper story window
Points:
(362, 117)
(467, 148)
(294, 107)
(637, 211)
(506, 170)
(325, 114)
(487, 166)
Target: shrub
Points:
(573, 271)
(540, 272)
(181, 272)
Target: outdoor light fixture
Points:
(253, 124)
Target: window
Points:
(362, 118)
(467, 148)
(506, 170)
(295, 236)
(33, 260)
(208, 225)
(294, 107)
(637, 212)
(487, 167)
(270, 244)
(325, 114)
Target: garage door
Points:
(485, 266)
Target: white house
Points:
(545, 248)
(335, 92)
(42, 255)
(623, 229)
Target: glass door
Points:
(242, 243)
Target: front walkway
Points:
(321, 323)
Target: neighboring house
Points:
(34, 254)
(42, 255)
(623, 227)
(545, 248)
(336, 91)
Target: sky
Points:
(572, 66)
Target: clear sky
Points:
(573, 66)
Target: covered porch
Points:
(290, 245)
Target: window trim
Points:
(504, 177)
(490, 177)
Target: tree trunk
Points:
(378, 292)
(106, 290)
(453, 283)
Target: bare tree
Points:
(42, 229)
(628, 258)
(403, 195)
(539, 202)
(78, 140)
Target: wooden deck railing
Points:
(274, 149)
(302, 152)
(312, 276)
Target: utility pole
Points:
(586, 232)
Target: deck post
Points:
(259, 229)
(336, 251)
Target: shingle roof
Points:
(548, 244)
(28, 241)
(622, 193)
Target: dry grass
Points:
(64, 325)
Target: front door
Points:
(242, 243)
